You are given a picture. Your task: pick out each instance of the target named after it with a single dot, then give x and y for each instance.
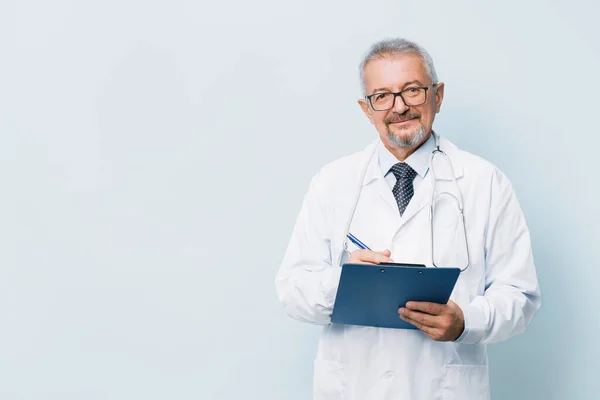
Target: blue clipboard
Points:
(370, 295)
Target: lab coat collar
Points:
(374, 171)
(454, 154)
(418, 161)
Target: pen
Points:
(357, 242)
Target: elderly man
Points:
(382, 195)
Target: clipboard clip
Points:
(392, 264)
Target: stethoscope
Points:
(458, 200)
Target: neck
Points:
(403, 152)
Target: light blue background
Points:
(154, 155)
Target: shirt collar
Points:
(419, 160)
(374, 170)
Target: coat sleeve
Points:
(307, 282)
(512, 294)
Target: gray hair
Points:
(390, 47)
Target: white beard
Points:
(416, 138)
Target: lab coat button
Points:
(388, 375)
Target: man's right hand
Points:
(370, 257)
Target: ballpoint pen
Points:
(357, 242)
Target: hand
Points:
(441, 322)
(370, 257)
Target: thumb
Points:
(386, 253)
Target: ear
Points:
(439, 96)
(366, 109)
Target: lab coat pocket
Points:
(329, 382)
(449, 247)
(464, 382)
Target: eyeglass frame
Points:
(396, 94)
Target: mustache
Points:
(402, 117)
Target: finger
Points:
(427, 307)
(361, 256)
(422, 318)
(369, 256)
(429, 331)
(383, 256)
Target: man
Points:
(383, 194)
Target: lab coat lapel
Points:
(421, 198)
(374, 180)
(388, 197)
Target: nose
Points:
(399, 105)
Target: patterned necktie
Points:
(403, 189)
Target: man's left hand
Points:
(441, 322)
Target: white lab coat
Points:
(498, 293)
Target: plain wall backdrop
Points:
(154, 156)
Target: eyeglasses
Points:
(413, 96)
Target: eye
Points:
(413, 90)
(381, 96)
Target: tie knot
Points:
(403, 171)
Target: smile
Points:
(403, 122)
